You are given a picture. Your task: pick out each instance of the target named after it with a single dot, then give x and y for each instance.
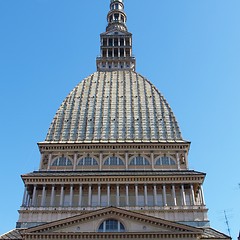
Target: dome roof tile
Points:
(114, 106)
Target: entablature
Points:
(108, 178)
(74, 147)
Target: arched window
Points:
(165, 161)
(62, 161)
(111, 225)
(114, 161)
(139, 161)
(87, 161)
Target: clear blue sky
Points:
(189, 49)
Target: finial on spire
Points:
(116, 42)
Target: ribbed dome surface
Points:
(117, 106)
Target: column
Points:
(24, 201)
(152, 160)
(28, 200)
(193, 195)
(89, 195)
(80, 196)
(34, 195)
(62, 196)
(99, 195)
(164, 196)
(202, 195)
(126, 160)
(145, 195)
(127, 195)
(183, 196)
(75, 161)
(100, 161)
(108, 195)
(174, 195)
(41, 162)
(178, 161)
(52, 196)
(49, 161)
(136, 194)
(155, 195)
(43, 200)
(71, 195)
(118, 195)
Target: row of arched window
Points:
(114, 161)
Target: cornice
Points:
(97, 178)
(126, 235)
(71, 146)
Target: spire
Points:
(116, 42)
(116, 16)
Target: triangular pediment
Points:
(133, 222)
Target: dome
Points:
(114, 107)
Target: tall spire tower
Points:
(116, 42)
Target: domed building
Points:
(114, 164)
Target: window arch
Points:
(87, 161)
(62, 161)
(139, 161)
(165, 161)
(111, 225)
(114, 161)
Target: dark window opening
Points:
(115, 41)
(121, 42)
(116, 17)
(104, 42)
(121, 52)
(104, 53)
(115, 52)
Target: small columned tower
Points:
(116, 42)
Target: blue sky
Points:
(190, 50)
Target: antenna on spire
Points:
(227, 223)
